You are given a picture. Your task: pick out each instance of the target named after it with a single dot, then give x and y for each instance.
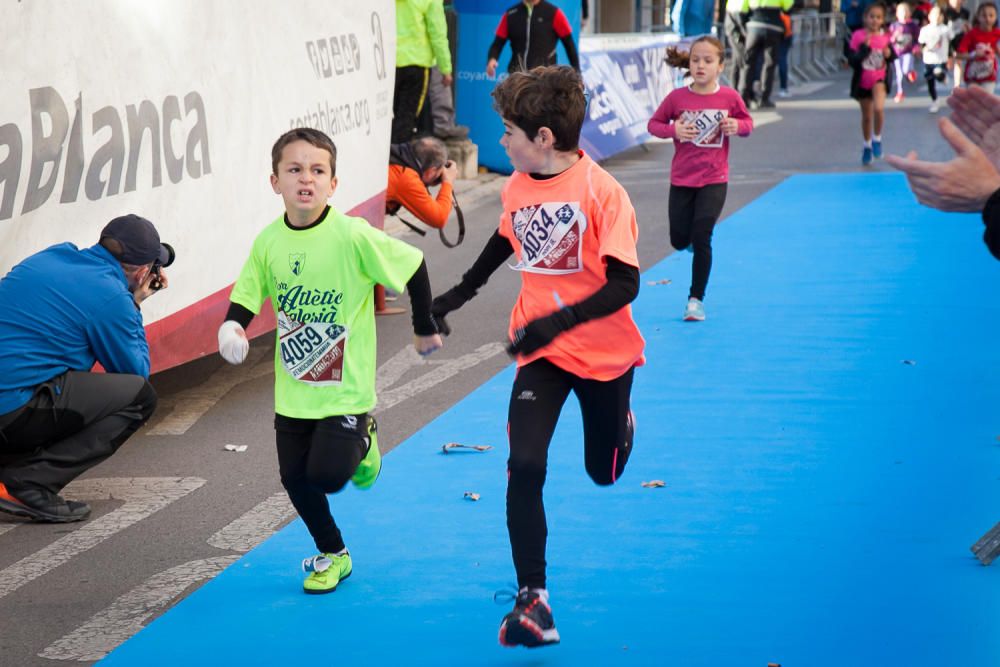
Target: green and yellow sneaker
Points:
(325, 572)
(371, 465)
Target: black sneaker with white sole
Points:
(530, 623)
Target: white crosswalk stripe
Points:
(142, 495)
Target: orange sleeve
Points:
(616, 223)
(413, 195)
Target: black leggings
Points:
(693, 213)
(536, 399)
(317, 457)
(933, 79)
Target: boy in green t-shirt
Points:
(319, 268)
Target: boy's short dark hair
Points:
(549, 97)
(310, 136)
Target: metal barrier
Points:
(817, 46)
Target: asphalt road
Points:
(173, 506)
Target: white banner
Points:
(169, 109)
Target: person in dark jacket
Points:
(533, 28)
(62, 310)
(764, 33)
(970, 182)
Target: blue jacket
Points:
(63, 309)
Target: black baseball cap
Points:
(139, 240)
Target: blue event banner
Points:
(624, 87)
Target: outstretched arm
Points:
(426, 338)
(495, 253)
(621, 288)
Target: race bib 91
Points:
(708, 122)
(312, 352)
(551, 237)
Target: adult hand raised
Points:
(961, 184)
(977, 113)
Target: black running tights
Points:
(317, 457)
(693, 213)
(536, 399)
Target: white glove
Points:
(233, 343)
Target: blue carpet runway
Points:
(828, 439)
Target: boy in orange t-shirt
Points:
(573, 232)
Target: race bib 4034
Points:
(312, 352)
(551, 237)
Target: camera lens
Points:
(171, 255)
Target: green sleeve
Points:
(250, 289)
(384, 259)
(437, 32)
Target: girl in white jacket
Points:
(934, 42)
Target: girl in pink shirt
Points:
(870, 54)
(699, 118)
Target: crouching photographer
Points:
(415, 167)
(61, 310)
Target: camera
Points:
(437, 181)
(156, 283)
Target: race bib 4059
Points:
(312, 352)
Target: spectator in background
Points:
(736, 34)
(783, 50)
(533, 28)
(442, 99)
(413, 168)
(970, 182)
(764, 34)
(421, 41)
(584, 15)
(61, 310)
(957, 17)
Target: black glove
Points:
(538, 333)
(451, 300)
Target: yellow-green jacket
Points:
(766, 14)
(422, 35)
